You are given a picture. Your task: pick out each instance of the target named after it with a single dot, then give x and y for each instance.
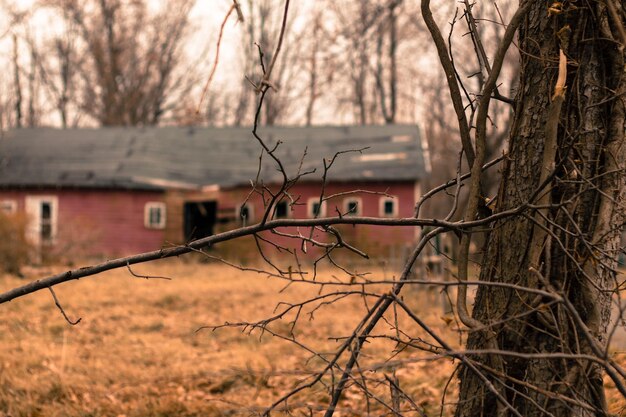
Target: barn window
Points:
(46, 221)
(245, 214)
(282, 210)
(388, 207)
(353, 206)
(8, 206)
(315, 209)
(154, 215)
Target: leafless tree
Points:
(17, 85)
(388, 28)
(259, 37)
(131, 58)
(314, 67)
(12, 93)
(356, 34)
(32, 119)
(58, 71)
(580, 214)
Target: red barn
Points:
(115, 191)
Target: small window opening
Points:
(315, 209)
(282, 210)
(245, 214)
(353, 207)
(46, 221)
(155, 216)
(388, 207)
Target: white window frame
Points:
(33, 210)
(146, 215)
(8, 206)
(311, 203)
(250, 218)
(288, 213)
(359, 206)
(381, 206)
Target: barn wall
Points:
(109, 223)
(102, 223)
(378, 241)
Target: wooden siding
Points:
(378, 241)
(103, 223)
(109, 223)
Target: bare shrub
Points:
(14, 247)
(75, 243)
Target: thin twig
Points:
(266, 77)
(217, 52)
(145, 276)
(58, 304)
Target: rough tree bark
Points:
(578, 239)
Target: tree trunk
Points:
(578, 242)
(16, 84)
(32, 89)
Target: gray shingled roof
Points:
(173, 157)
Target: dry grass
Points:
(136, 351)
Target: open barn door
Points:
(199, 219)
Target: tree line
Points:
(112, 62)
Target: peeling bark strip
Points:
(547, 166)
(572, 161)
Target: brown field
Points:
(138, 351)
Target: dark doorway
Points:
(199, 219)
